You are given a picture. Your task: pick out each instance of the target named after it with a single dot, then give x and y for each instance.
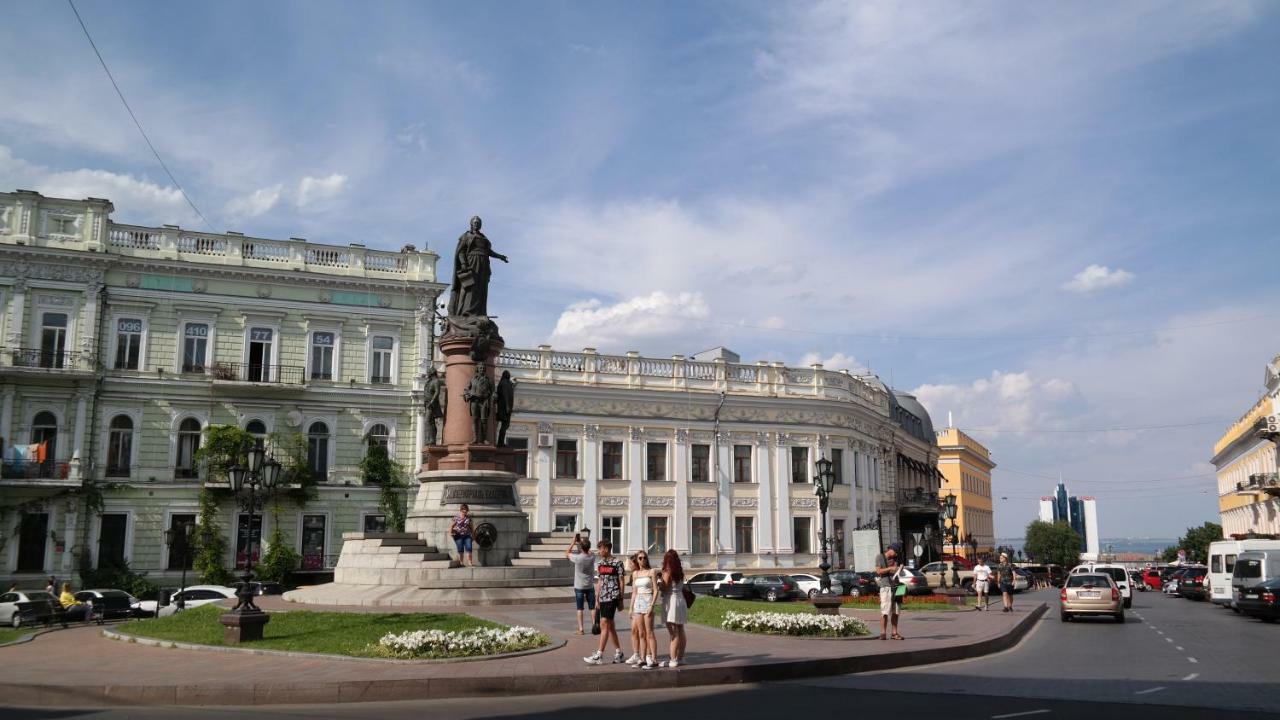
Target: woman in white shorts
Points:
(676, 612)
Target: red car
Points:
(1151, 578)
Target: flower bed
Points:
(465, 643)
(797, 624)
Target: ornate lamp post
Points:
(953, 531)
(183, 540)
(824, 481)
(252, 483)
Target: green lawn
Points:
(710, 611)
(8, 635)
(304, 631)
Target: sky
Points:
(1057, 223)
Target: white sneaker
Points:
(596, 658)
(649, 664)
(673, 663)
(633, 660)
(617, 656)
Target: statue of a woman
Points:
(469, 293)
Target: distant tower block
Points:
(1090, 527)
(1046, 509)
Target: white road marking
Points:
(1019, 714)
(1193, 660)
(1192, 676)
(1168, 639)
(1148, 691)
(1161, 632)
(1178, 648)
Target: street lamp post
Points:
(252, 483)
(824, 481)
(953, 530)
(183, 537)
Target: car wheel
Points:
(1066, 617)
(813, 594)
(771, 595)
(1128, 603)
(15, 621)
(855, 593)
(1235, 609)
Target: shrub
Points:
(797, 624)
(118, 576)
(464, 643)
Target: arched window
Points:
(44, 432)
(379, 436)
(258, 430)
(120, 446)
(188, 443)
(318, 450)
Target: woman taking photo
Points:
(644, 596)
(675, 610)
(461, 532)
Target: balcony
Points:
(51, 361)
(289, 375)
(918, 499)
(1268, 483)
(51, 472)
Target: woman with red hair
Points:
(676, 610)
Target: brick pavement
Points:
(80, 667)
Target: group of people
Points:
(1003, 573)
(72, 608)
(599, 582)
(892, 590)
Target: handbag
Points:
(688, 596)
(595, 623)
(901, 589)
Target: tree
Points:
(1195, 542)
(1054, 543)
(377, 468)
(281, 559)
(210, 543)
(222, 447)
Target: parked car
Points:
(1057, 575)
(710, 583)
(1192, 583)
(811, 585)
(855, 584)
(918, 584)
(1118, 573)
(773, 587)
(195, 596)
(1039, 573)
(1152, 580)
(26, 606)
(267, 587)
(1222, 561)
(1254, 567)
(1022, 579)
(113, 604)
(1087, 593)
(1135, 581)
(1261, 601)
(939, 574)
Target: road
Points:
(1190, 659)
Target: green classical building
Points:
(123, 344)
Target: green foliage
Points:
(281, 559)
(1195, 542)
(118, 577)
(1053, 543)
(377, 468)
(290, 450)
(222, 447)
(210, 545)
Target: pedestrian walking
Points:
(609, 598)
(1004, 576)
(51, 586)
(981, 583)
(675, 608)
(644, 598)
(584, 571)
(887, 569)
(461, 531)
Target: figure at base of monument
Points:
(435, 400)
(504, 404)
(479, 397)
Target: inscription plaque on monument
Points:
(478, 494)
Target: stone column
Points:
(680, 474)
(88, 326)
(6, 415)
(723, 468)
(77, 439)
(782, 463)
(70, 517)
(544, 470)
(14, 323)
(457, 451)
(635, 490)
(764, 483)
(591, 480)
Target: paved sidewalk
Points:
(80, 667)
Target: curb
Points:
(273, 693)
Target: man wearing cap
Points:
(887, 579)
(1004, 576)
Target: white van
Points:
(1252, 568)
(1119, 573)
(1222, 561)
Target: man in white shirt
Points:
(981, 577)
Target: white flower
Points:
(794, 624)
(480, 641)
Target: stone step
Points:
(542, 554)
(422, 557)
(565, 535)
(410, 539)
(439, 564)
(539, 562)
(511, 583)
(420, 550)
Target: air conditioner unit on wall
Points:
(546, 440)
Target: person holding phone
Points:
(584, 571)
(887, 569)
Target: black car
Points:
(110, 604)
(855, 583)
(773, 587)
(1261, 601)
(1192, 584)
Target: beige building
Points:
(966, 467)
(1245, 459)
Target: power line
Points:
(1119, 428)
(136, 123)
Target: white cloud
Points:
(838, 361)
(308, 191)
(1007, 401)
(613, 327)
(312, 189)
(256, 203)
(1097, 277)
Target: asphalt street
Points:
(1178, 658)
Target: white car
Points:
(1118, 573)
(197, 595)
(708, 583)
(9, 614)
(811, 585)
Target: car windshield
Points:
(1247, 568)
(1088, 581)
(1115, 573)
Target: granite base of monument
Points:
(501, 527)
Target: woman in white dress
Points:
(676, 611)
(644, 596)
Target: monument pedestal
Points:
(241, 626)
(495, 506)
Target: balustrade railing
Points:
(570, 362)
(137, 239)
(700, 371)
(518, 358)
(328, 258)
(197, 245)
(392, 263)
(612, 365)
(268, 250)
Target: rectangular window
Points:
(799, 464)
(700, 467)
(375, 523)
(53, 340)
(567, 459)
(611, 460)
(33, 533)
(322, 355)
(248, 539)
(313, 534)
(521, 448)
(111, 536)
(188, 443)
(260, 344)
(656, 461)
(837, 465)
(742, 463)
(744, 534)
(119, 449)
(128, 343)
(611, 530)
(180, 550)
(195, 347)
(566, 523)
(380, 359)
(802, 534)
(701, 535)
(656, 536)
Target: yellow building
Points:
(1245, 460)
(966, 467)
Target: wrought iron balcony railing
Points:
(256, 373)
(51, 359)
(918, 497)
(23, 470)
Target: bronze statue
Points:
(469, 293)
(479, 396)
(435, 398)
(505, 403)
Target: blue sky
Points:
(1039, 217)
